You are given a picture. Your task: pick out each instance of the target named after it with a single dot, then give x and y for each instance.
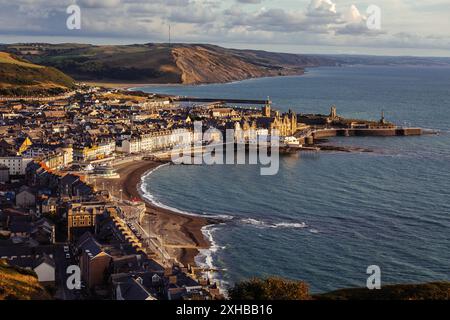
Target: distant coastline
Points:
(137, 86)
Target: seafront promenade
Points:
(169, 235)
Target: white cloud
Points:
(321, 8)
(352, 15)
(98, 3)
(324, 22)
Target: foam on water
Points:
(205, 259)
(265, 224)
(145, 193)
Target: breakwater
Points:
(222, 100)
(376, 132)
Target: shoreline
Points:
(183, 234)
(132, 86)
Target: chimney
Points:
(173, 279)
(167, 272)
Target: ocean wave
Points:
(264, 224)
(205, 259)
(143, 190)
(300, 225)
(148, 196)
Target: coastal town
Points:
(70, 174)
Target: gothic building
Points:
(286, 124)
(270, 121)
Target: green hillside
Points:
(19, 77)
(162, 63)
(184, 63)
(134, 63)
(20, 284)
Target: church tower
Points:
(383, 119)
(293, 122)
(333, 112)
(267, 110)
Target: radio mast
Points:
(170, 40)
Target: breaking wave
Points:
(205, 258)
(264, 224)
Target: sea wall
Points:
(384, 132)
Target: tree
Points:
(272, 288)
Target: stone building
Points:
(82, 217)
(270, 122)
(26, 198)
(285, 124)
(94, 261)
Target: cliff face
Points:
(180, 63)
(200, 64)
(162, 63)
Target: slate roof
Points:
(87, 243)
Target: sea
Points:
(326, 217)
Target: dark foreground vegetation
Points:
(20, 284)
(280, 289)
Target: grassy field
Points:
(7, 58)
(20, 284)
(161, 63)
(19, 77)
(107, 64)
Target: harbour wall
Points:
(382, 132)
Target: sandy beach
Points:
(127, 86)
(182, 234)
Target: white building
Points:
(37, 152)
(131, 145)
(42, 264)
(67, 154)
(101, 150)
(16, 165)
(106, 148)
(45, 270)
(158, 141)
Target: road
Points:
(62, 263)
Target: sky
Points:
(400, 27)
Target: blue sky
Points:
(302, 26)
